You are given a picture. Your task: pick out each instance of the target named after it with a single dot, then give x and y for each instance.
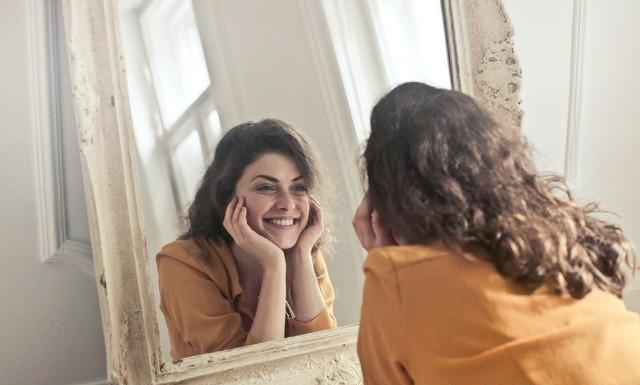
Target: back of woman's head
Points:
(238, 148)
(439, 167)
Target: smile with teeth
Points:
(284, 222)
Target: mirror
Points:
(331, 68)
(196, 69)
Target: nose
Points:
(285, 201)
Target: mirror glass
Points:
(197, 68)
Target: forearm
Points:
(269, 320)
(307, 297)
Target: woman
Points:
(248, 268)
(479, 270)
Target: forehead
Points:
(271, 164)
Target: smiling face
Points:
(276, 199)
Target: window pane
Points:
(175, 56)
(412, 40)
(189, 166)
(213, 130)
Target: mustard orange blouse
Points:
(201, 299)
(433, 316)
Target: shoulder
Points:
(190, 252)
(184, 251)
(395, 258)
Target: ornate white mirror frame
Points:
(483, 64)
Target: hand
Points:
(263, 250)
(311, 233)
(368, 228)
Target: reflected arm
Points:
(268, 323)
(313, 296)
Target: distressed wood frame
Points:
(483, 64)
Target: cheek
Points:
(256, 207)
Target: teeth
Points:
(281, 222)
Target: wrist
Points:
(274, 265)
(299, 256)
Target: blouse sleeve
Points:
(199, 318)
(325, 319)
(381, 340)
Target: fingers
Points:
(364, 210)
(362, 224)
(382, 236)
(315, 214)
(375, 224)
(236, 223)
(243, 232)
(236, 211)
(227, 222)
(368, 227)
(242, 219)
(318, 217)
(235, 219)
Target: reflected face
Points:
(276, 199)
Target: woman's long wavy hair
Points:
(238, 148)
(439, 167)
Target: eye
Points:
(266, 188)
(299, 188)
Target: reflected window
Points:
(175, 56)
(185, 154)
(382, 43)
(412, 41)
(176, 122)
(212, 130)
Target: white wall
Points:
(609, 136)
(606, 137)
(545, 55)
(50, 324)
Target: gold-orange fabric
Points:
(434, 316)
(201, 299)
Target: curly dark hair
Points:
(237, 149)
(439, 167)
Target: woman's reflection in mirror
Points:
(248, 267)
(480, 270)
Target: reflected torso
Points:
(203, 301)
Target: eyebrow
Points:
(272, 179)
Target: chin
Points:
(283, 239)
(285, 244)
